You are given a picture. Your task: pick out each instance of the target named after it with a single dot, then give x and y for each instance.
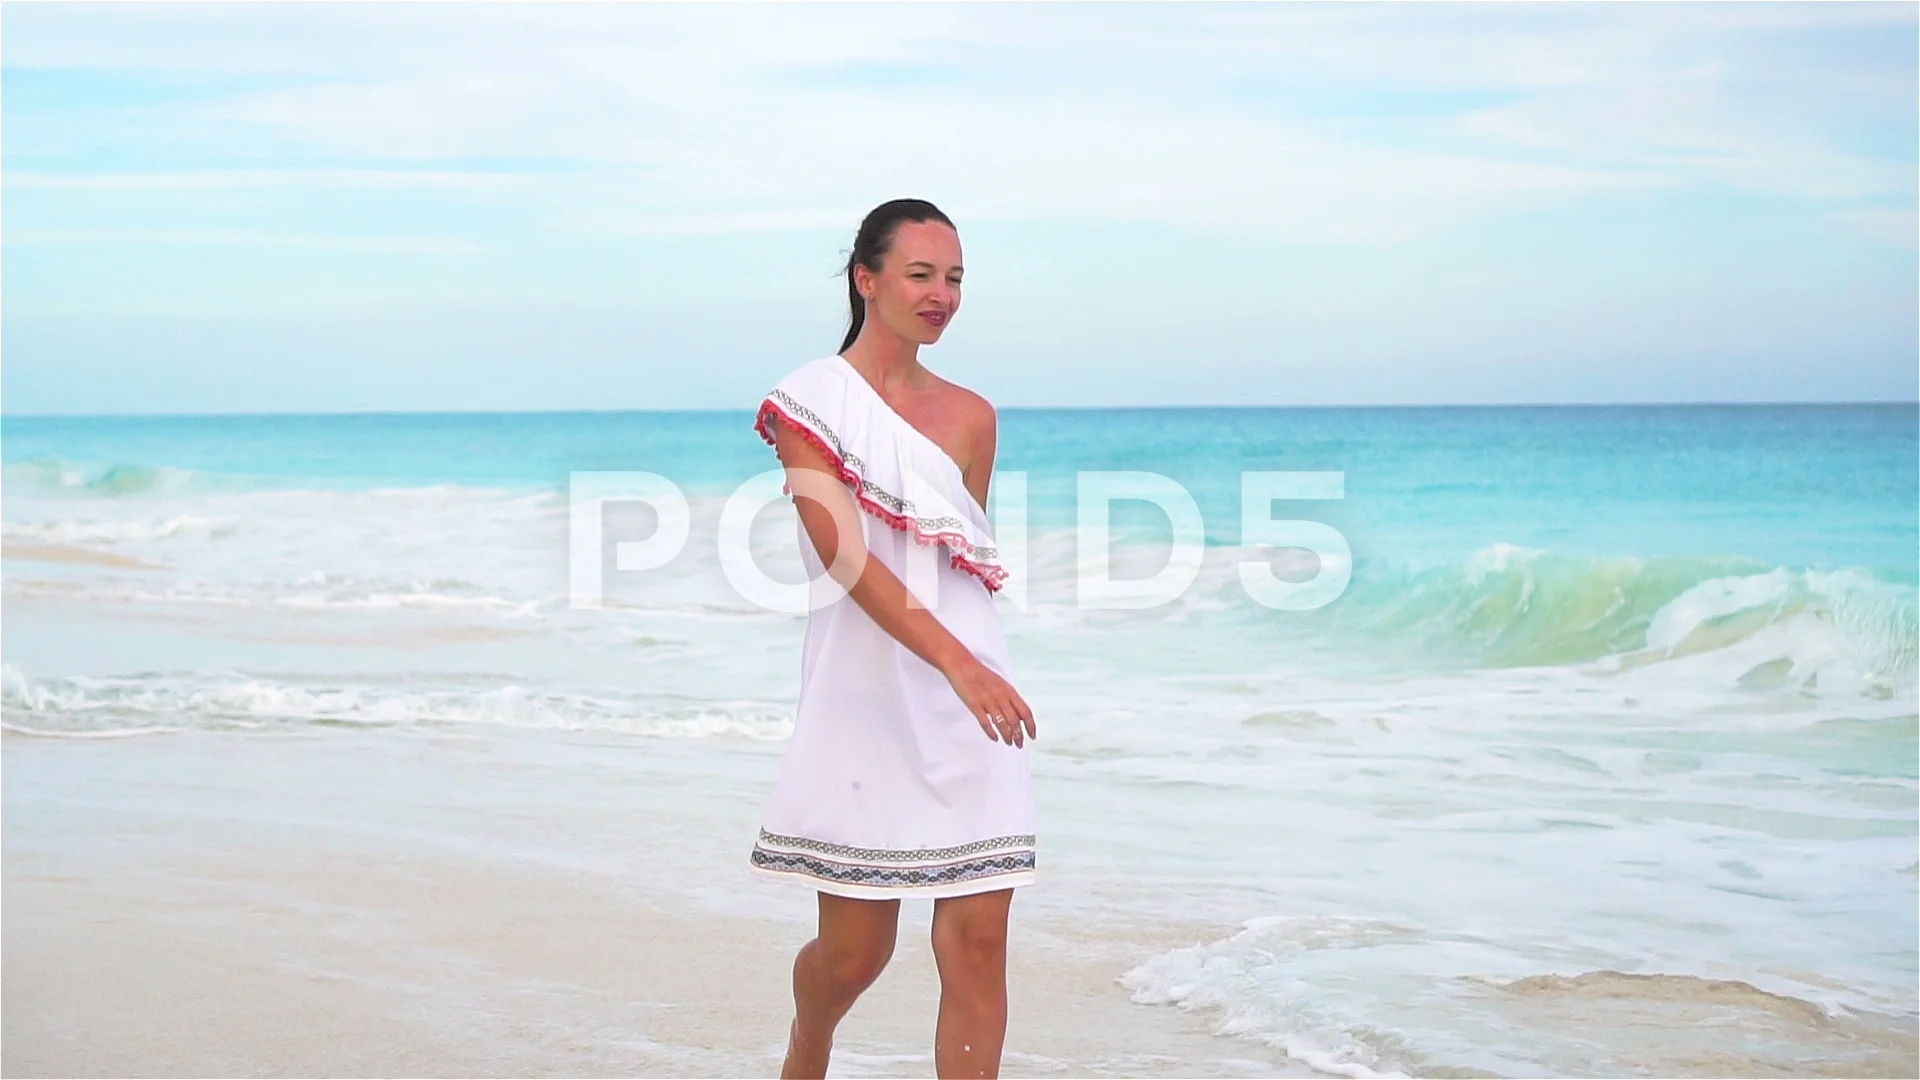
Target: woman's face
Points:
(917, 289)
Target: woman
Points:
(907, 774)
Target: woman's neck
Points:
(888, 361)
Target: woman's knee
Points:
(856, 939)
(853, 963)
(970, 938)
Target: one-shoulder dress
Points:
(889, 787)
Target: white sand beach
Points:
(326, 904)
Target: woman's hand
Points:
(999, 708)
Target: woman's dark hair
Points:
(872, 243)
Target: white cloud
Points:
(379, 245)
(691, 117)
(472, 182)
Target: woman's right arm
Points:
(882, 595)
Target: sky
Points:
(276, 207)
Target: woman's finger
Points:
(997, 712)
(1011, 717)
(1018, 711)
(984, 715)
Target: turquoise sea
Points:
(1614, 722)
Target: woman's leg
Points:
(854, 944)
(970, 949)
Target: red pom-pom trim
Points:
(960, 547)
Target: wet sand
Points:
(183, 905)
(74, 556)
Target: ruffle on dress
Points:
(896, 473)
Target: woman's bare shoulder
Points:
(974, 416)
(973, 411)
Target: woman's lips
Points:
(937, 318)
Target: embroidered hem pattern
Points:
(888, 507)
(886, 871)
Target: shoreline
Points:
(74, 555)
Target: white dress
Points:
(889, 787)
